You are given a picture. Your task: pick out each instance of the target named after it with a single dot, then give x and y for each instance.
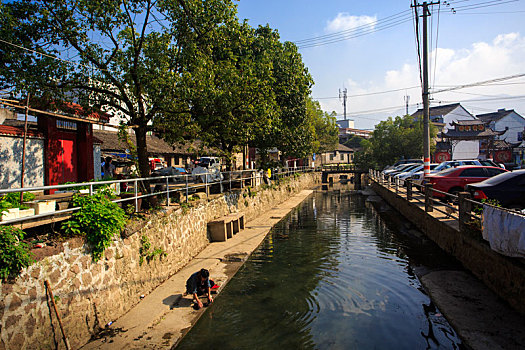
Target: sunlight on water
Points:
(331, 275)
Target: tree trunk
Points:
(142, 154)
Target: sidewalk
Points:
(165, 315)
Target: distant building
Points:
(506, 119)
(443, 118)
(345, 123)
(341, 154)
(513, 137)
(475, 130)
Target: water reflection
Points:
(332, 275)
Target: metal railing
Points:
(168, 185)
(458, 207)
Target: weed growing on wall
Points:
(98, 219)
(148, 254)
(14, 254)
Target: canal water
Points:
(336, 273)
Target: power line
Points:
(481, 83)
(436, 51)
(351, 30)
(369, 94)
(353, 36)
(49, 56)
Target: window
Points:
(342, 156)
(331, 157)
(494, 172)
(66, 124)
(473, 172)
(520, 136)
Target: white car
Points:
(398, 169)
(408, 174)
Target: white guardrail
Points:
(159, 185)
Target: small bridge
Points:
(342, 168)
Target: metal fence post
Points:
(90, 189)
(409, 189)
(135, 188)
(396, 184)
(168, 191)
(429, 195)
(465, 207)
(206, 183)
(187, 190)
(220, 181)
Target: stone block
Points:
(10, 214)
(26, 212)
(42, 206)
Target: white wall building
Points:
(506, 119)
(443, 116)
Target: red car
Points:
(454, 180)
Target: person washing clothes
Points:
(200, 284)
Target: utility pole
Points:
(407, 100)
(426, 107)
(343, 94)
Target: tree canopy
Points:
(393, 139)
(184, 69)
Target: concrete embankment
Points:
(478, 313)
(90, 295)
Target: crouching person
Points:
(200, 284)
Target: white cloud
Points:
(481, 61)
(344, 21)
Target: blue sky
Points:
(474, 44)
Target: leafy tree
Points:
(325, 126)
(114, 54)
(354, 141)
(393, 139)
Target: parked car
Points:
(405, 169)
(418, 177)
(507, 188)
(404, 161)
(169, 171)
(398, 168)
(454, 180)
(206, 162)
(408, 174)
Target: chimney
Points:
(501, 110)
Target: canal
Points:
(336, 273)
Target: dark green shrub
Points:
(14, 254)
(98, 219)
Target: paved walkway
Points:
(165, 315)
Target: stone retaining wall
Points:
(504, 275)
(89, 295)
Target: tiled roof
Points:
(155, 144)
(495, 116)
(438, 110)
(343, 148)
(467, 122)
(14, 131)
(471, 135)
(7, 130)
